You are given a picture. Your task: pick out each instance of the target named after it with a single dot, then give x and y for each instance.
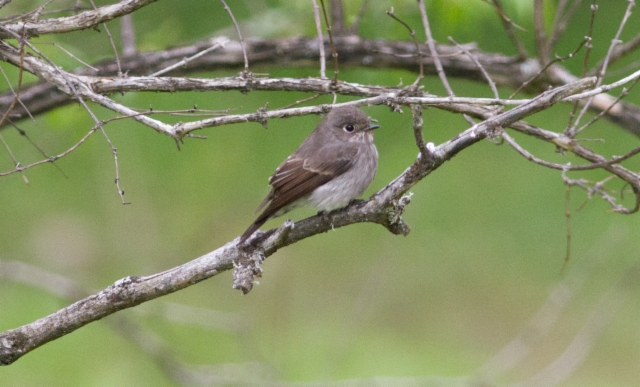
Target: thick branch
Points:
(618, 52)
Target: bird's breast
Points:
(339, 191)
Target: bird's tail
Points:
(254, 226)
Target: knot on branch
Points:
(395, 107)
(393, 216)
(120, 292)
(262, 115)
(412, 90)
(124, 282)
(248, 264)
(246, 267)
(248, 77)
(494, 132)
(599, 189)
(326, 108)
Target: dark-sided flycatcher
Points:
(334, 165)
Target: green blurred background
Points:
(485, 253)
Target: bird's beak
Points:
(371, 127)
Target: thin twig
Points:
(614, 42)
(598, 189)
(618, 52)
(114, 151)
(545, 67)
(244, 51)
(113, 43)
(220, 43)
(72, 88)
(316, 17)
(567, 215)
(193, 112)
(592, 20)
(390, 99)
(334, 52)
(6, 118)
(509, 25)
(623, 70)
(540, 37)
(605, 88)
(35, 15)
(78, 89)
(36, 146)
(497, 5)
(434, 54)
(14, 159)
(492, 84)
(51, 159)
(16, 94)
(624, 93)
(556, 31)
(568, 167)
(585, 63)
(298, 102)
(68, 53)
(115, 50)
(415, 42)
(418, 122)
(561, 21)
(432, 48)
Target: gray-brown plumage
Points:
(334, 165)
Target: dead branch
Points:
(81, 21)
(504, 71)
(384, 208)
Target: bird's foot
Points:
(356, 201)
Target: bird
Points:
(334, 165)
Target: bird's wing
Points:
(297, 176)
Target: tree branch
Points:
(384, 208)
(81, 21)
(504, 71)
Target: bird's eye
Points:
(349, 128)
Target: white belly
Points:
(340, 191)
